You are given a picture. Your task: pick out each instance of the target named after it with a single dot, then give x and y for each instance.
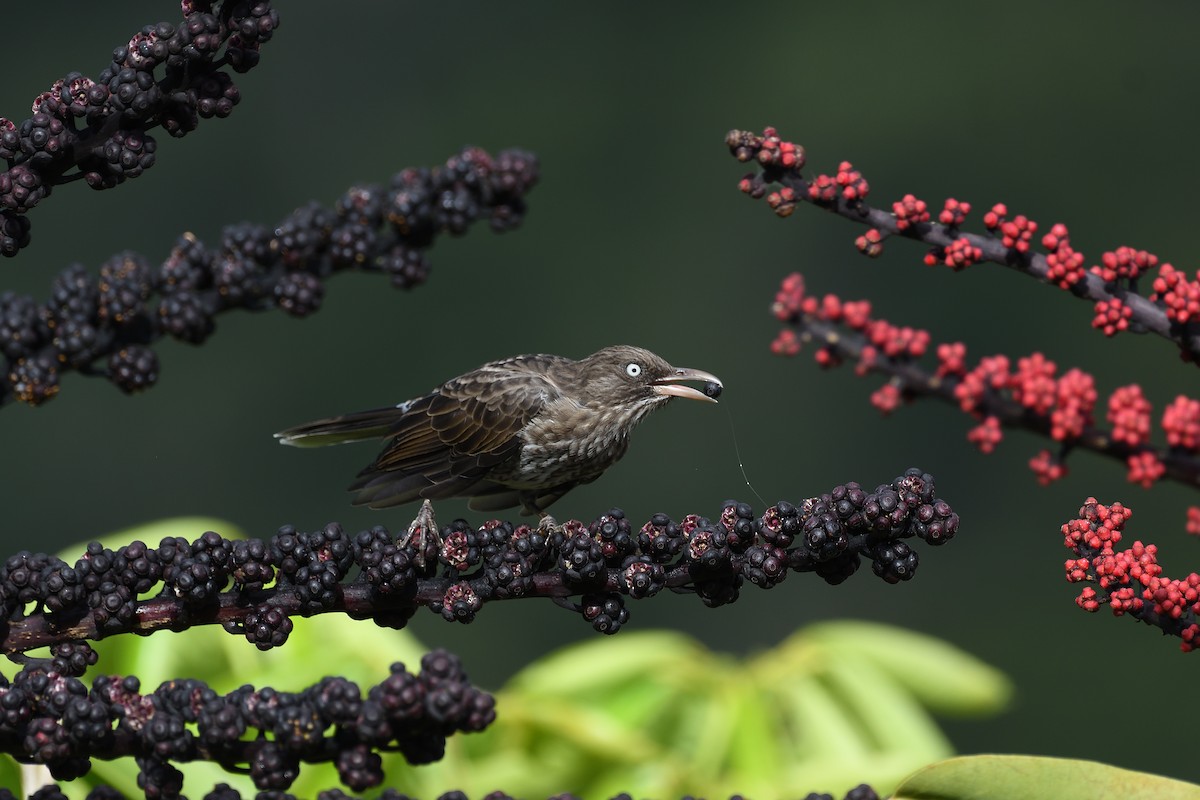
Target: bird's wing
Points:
(449, 440)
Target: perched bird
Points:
(520, 431)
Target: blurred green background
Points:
(638, 234)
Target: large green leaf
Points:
(997, 777)
(825, 710)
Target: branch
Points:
(95, 130)
(253, 587)
(1172, 311)
(50, 717)
(1030, 397)
(101, 327)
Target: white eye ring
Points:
(633, 369)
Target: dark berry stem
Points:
(104, 325)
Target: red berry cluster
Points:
(786, 343)
(887, 398)
(1124, 263)
(881, 340)
(1130, 581)
(783, 201)
(895, 341)
(1047, 467)
(1064, 263)
(990, 373)
(1015, 233)
(769, 150)
(870, 243)
(1074, 400)
(1032, 394)
(854, 186)
(1129, 414)
(952, 359)
(954, 213)
(1180, 296)
(848, 183)
(1181, 422)
(957, 255)
(909, 210)
(1033, 384)
(1112, 316)
(1193, 521)
(1145, 469)
(823, 189)
(986, 435)
(789, 297)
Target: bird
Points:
(520, 431)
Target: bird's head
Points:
(633, 376)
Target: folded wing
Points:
(448, 442)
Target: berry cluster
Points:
(1172, 310)
(50, 717)
(103, 324)
(1031, 394)
(1130, 581)
(166, 75)
(253, 587)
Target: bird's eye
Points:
(633, 369)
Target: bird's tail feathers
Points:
(356, 427)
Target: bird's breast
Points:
(569, 442)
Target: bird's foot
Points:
(547, 525)
(424, 537)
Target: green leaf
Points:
(826, 709)
(610, 663)
(10, 773)
(940, 676)
(995, 777)
(890, 719)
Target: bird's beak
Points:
(671, 386)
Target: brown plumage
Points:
(520, 431)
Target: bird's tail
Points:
(356, 427)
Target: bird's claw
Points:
(423, 534)
(547, 525)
